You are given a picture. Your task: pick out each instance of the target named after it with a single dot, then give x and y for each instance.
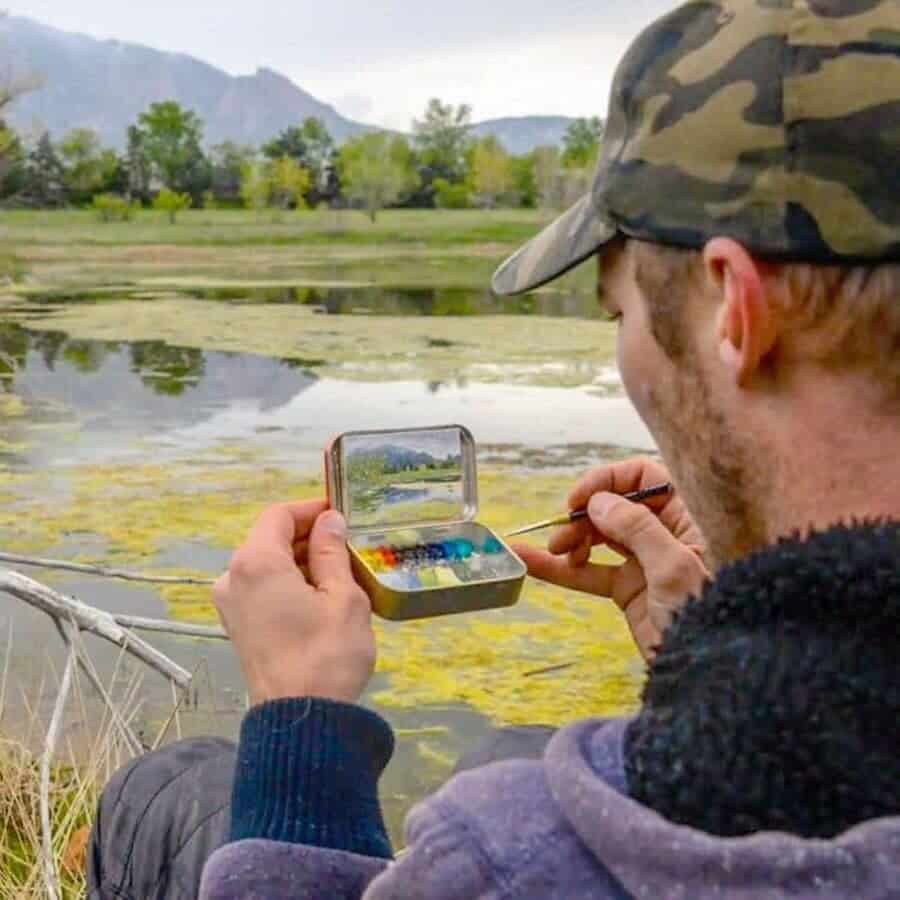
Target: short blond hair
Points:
(848, 317)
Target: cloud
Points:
(568, 75)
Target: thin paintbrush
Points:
(578, 514)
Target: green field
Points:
(72, 251)
(238, 227)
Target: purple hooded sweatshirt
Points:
(775, 695)
(562, 829)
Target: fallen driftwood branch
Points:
(207, 632)
(102, 571)
(91, 620)
(71, 617)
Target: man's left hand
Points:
(300, 624)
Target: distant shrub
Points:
(450, 196)
(114, 208)
(210, 201)
(172, 203)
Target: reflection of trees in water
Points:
(167, 370)
(50, 345)
(16, 343)
(86, 356)
(13, 348)
(427, 302)
(438, 302)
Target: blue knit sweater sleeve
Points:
(307, 773)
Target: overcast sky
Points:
(380, 62)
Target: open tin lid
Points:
(417, 477)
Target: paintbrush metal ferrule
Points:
(576, 515)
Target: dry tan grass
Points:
(77, 777)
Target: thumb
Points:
(637, 530)
(329, 558)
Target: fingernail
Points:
(335, 524)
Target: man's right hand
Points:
(662, 546)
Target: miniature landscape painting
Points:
(404, 478)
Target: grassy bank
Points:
(405, 248)
(437, 228)
(73, 798)
(76, 778)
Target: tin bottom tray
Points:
(415, 573)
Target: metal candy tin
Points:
(410, 499)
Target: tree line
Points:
(166, 166)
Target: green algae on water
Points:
(481, 661)
(533, 350)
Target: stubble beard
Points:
(722, 482)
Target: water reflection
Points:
(364, 300)
(127, 399)
(166, 370)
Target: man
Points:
(746, 218)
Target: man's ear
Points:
(747, 324)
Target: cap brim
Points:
(575, 236)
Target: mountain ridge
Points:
(104, 84)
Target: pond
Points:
(147, 432)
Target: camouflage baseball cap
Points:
(773, 122)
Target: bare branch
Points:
(86, 666)
(51, 878)
(92, 620)
(102, 571)
(207, 632)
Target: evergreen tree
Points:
(227, 162)
(290, 143)
(313, 149)
(138, 166)
(44, 181)
(319, 161)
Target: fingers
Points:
(620, 478)
(665, 559)
(275, 542)
(569, 537)
(573, 538)
(589, 579)
(329, 558)
(281, 526)
(581, 555)
(301, 552)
